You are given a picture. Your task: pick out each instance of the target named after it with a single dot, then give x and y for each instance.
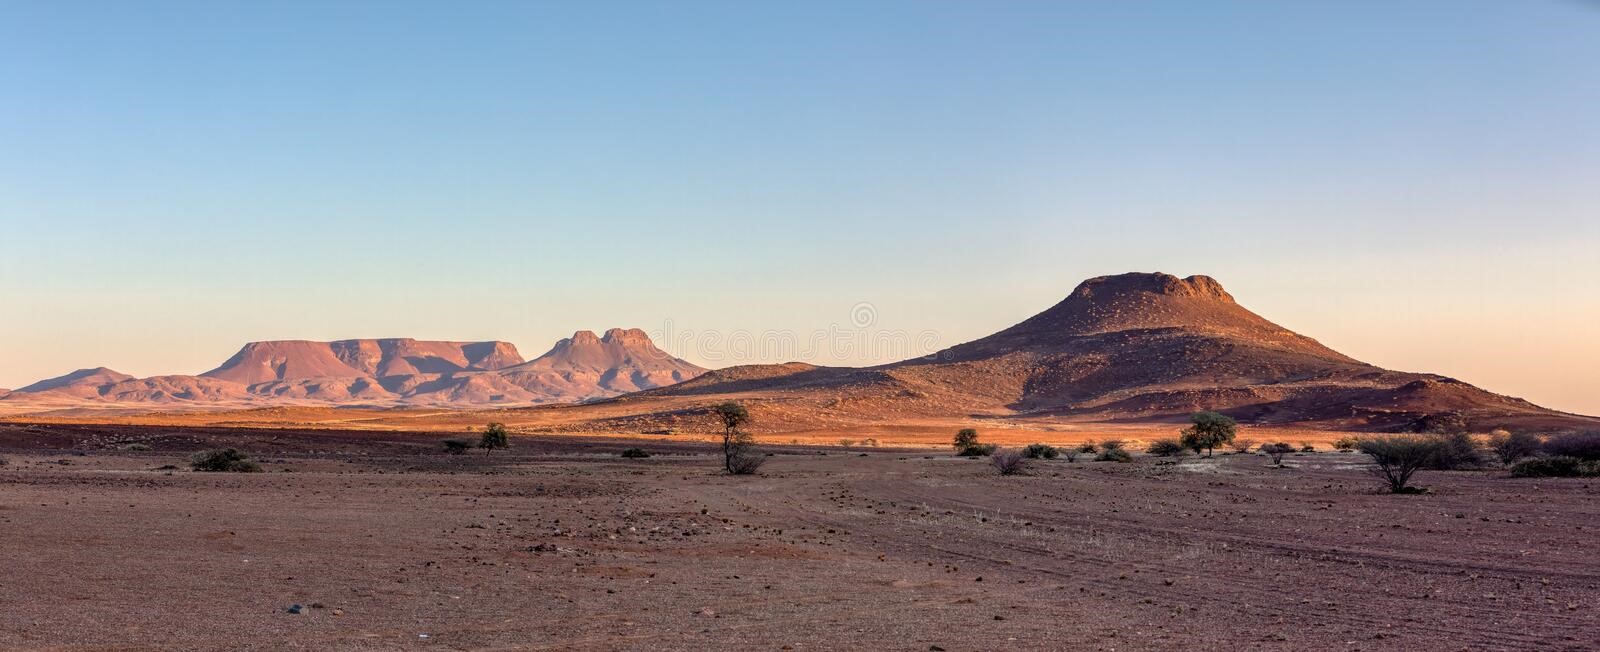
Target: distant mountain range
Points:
(398, 371)
(1130, 347)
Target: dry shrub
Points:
(1111, 450)
(1513, 446)
(1166, 448)
(1277, 451)
(1582, 445)
(1009, 461)
(1457, 452)
(1555, 467)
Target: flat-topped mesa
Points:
(1109, 287)
(628, 336)
(1141, 302)
(1145, 301)
(280, 360)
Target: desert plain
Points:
(386, 542)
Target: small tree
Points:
(1207, 431)
(967, 445)
(1397, 458)
(494, 436)
(965, 438)
(1243, 446)
(739, 456)
(1277, 451)
(1513, 446)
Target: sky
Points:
(1414, 184)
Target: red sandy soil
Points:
(559, 544)
(684, 418)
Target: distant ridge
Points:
(1137, 347)
(393, 371)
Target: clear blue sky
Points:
(1416, 184)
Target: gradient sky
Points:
(1415, 184)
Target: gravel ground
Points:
(387, 543)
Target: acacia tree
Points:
(1207, 431)
(494, 436)
(1276, 452)
(1397, 458)
(738, 454)
(965, 438)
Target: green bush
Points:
(1346, 443)
(978, 450)
(227, 460)
(1560, 466)
(457, 446)
(635, 453)
(1165, 448)
(1041, 451)
(1114, 454)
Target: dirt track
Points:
(558, 544)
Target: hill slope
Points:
(1133, 347)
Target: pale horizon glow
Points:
(1412, 184)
